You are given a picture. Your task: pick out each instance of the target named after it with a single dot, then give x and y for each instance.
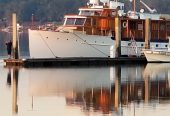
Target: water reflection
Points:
(9, 77)
(14, 90)
(13, 75)
(118, 90)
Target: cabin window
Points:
(79, 21)
(141, 45)
(140, 27)
(122, 7)
(63, 21)
(166, 46)
(94, 22)
(156, 45)
(162, 27)
(114, 13)
(132, 25)
(119, 7)
(97, 13)
(88, 22)
(168, 27)
(75, 21)
(70, 21)
(84, 13)
(154, 26)
(87, 13)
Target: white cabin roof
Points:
(74, 16)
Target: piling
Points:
(14, 36)
(147, 33)
(117, 37)
(15, 61)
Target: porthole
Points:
(141, 45)
(156, 45)
(166, 46)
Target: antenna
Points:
(150, 10)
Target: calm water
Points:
(127, 90)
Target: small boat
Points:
(157, 55)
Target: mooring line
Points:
(90, 45)
(47, 44)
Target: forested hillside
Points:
(53, 10)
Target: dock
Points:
(14, 62)
(66, 62)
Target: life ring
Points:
(124, 24)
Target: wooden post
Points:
(147, 33)
(15, 37)
(117, 37)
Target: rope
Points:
(47, 44)
(90, 45)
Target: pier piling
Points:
(147, 33)
(117, 37)
(15, 61)
(14, 36)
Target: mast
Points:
(134, 7)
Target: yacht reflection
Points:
(104, 89)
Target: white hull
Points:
(157, 56)
(50, 44)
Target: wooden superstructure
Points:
(102, 22)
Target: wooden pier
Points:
(14, 62)
(65, 62)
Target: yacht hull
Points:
(52, 44)
(157, 56)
